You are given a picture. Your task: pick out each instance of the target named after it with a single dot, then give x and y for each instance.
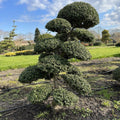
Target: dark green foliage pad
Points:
(80, 14)
(77, 83)
(59, 25)
(53, 64)
(73, 49)
(64, 97)
(39, 94)
(47, 45)
(30, 74)
(83, 35)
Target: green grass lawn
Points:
(104, 52)
(27, 60)
(17, 61)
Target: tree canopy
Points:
(80, 15)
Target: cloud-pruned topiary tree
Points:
(55, 52)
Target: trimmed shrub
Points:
(118, 44)
(80, 14)
(64, 97)
(31, 73)
(24, 52)
(39, 94)
(73, 49)
(46, 45)
(53, 64)
(59, 25)
(10, 54)
(77, 83)
(116, 74)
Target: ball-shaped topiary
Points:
(59, 25)
(80, 14)
(73, 49)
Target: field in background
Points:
(27, 60)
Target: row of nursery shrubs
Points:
(24, 52)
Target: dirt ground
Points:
(103, 104)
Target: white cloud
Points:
(110, 8)
(27, 18)
(112, 18)
(34, 4)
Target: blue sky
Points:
(30, 14)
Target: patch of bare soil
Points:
(102, 104)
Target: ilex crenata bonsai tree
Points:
(64, 79)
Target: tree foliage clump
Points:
(80, 15)
(47, 45)
(64, 97)
(59, 25)
(39, 94)
(8, 43)
(55, 52)
(40, 42)
(31, 73)
(77, 83)
(83, 35)
(73, 49)
(105, 36)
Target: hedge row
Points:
(24, 52)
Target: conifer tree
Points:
(8, 43)
(37, 34)
(64, 79)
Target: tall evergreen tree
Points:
(37, 34)
(12, 32)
